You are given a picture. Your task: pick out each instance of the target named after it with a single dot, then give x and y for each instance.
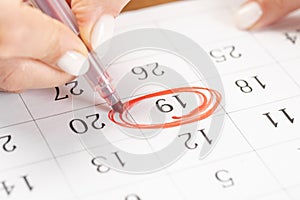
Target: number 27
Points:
(73, 91)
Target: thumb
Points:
(259, 13)
(96, 19)
(28, 33)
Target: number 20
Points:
(84, 124)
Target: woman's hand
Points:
(37, 51)
(260, 13)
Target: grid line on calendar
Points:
(49, 147)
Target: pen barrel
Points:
(59, 10)
(97, 73)
(100, 81)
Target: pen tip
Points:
(118, 107)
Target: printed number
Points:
(144, 74)
(5, 146)
(222, 176)
(76, 123)
(117, 156)
(9, 188)
(292, 37)
(195, 145)
(166, 108)
(102, 168)
(275, 123)
(245, 86)
(74, 91)
(222, 55)
(132, 197)
(187, 141)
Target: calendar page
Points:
(211, 112)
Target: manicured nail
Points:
(248, 15)
(73, 63)
(103, 30)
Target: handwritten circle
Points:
(208, 105)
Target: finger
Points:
(27, 32)
(259, 13)
(96, 19)
(19, 74)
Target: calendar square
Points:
(21, 145)
(42, 180)
(282, 161)
(12, 110)
(269, 124)
(240, 177)
(74, 95)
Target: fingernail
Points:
(73, 63)
(248, 15)
(103, 30)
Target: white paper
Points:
(257, 156)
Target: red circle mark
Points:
(208, 105)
